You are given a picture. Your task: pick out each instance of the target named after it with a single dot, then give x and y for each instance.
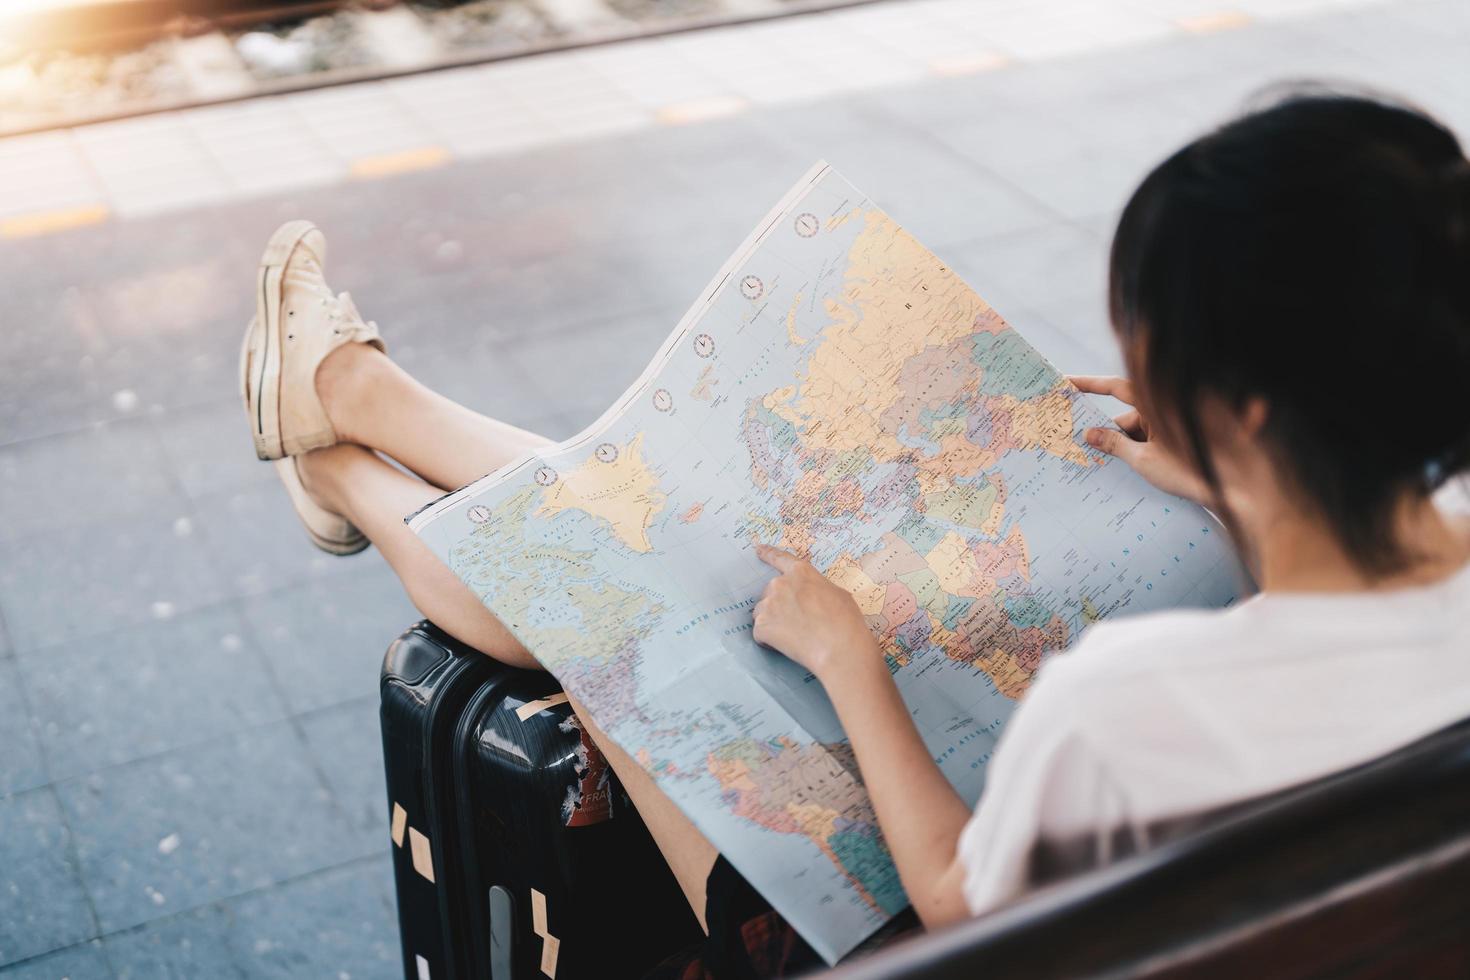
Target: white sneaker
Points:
(330, 532)
(298, 322)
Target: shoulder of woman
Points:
(1122, 648)
(1454, 497)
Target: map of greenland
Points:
(839, 392)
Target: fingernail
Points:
(1093, 437)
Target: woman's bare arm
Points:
(818, 625)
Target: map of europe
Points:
(839, 392)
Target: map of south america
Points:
(840, 392)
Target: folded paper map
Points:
(839, 392)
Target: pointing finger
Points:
(1119, 388)
(781, 561)
(1113, 442)
(1132, 423)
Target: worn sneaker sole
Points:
(330, 532)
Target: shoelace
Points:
(339, 307)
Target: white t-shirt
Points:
(1173, 714)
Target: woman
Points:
(1316, 247)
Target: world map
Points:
(839, 392)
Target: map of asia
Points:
(839, 392)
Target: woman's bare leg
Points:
(375, 403)
(357, 484)
(689, 853)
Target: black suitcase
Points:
(515, 853)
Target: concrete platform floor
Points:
(190, 783)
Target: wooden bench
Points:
(1362, 874)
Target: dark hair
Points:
(1314, 254)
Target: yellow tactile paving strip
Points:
(1224, 20)
(44, 222)
(402, 162)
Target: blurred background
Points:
(525, 194)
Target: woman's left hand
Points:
(805, 616)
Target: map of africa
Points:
(839, 392)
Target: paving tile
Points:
(933, 105)
(803, 132)
(177, 372)
(150, 163)
(632, 182)
(89, 578)
(764, 63)
(1099, 179)
(571, 288)
(1069, 340)
(380, 237)
(189, 946)
(256, 543)
(84, 961)
(22, 767)
(346, 742)
(652, 74)
(358, 121)
(263, 145)
(435, 312)
(1100, 226)
(66, 372)
(326, 638)
(47, 308)
(209, 448)
(1057, 344)
(44, 172)
(464, 109)
(589, 368)
(176, 831)
(148, 689)
(484, 377)
(560, 426)
(140, 263)
(205, 295)
(109, 471)
(1049, 284)
(510, 270)
(936, 195)
(59, 395)
(1084, 321)
(335, 924)
(1040, 84)
(595, 110)
(1068, 29)
(383, 869)
(901, 162)
(45, 906)
(1028, 267)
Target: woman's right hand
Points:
(1135, 446)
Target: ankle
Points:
(324, 474)
(343, 380)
